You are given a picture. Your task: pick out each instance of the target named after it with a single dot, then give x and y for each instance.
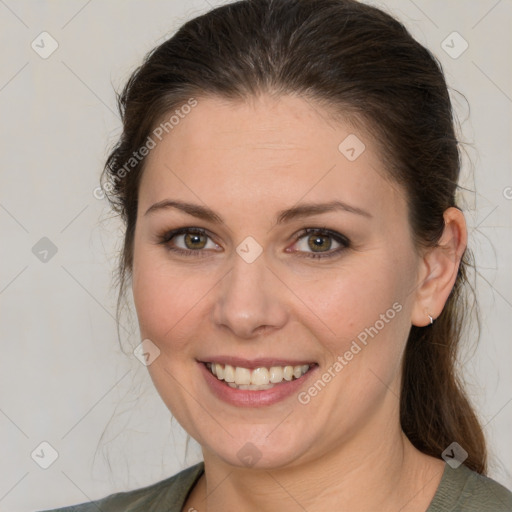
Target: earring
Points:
(431, 319)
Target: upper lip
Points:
(266, 362)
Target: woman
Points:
(287, 175)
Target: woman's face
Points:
(246, 287)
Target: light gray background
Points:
(63, 377)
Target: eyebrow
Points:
(303, 210)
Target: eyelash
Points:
(166, 238)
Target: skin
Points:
(344, 450)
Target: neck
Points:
(381, 472)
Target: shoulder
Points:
(167, 495)
(465, 490)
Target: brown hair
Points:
(361, 63)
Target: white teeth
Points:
(276, 374)
(242, 375)
(257, 379)
(253, 387)
(288, 373)
(229, 373)
(297, 371)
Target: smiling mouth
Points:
(257, 379)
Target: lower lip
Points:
(253, 398)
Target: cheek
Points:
(367, 310)
(354, 300)
(164, 298)
(174, 306)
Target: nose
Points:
(249, 300)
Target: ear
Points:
(438, 269)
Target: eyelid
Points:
(168, 235)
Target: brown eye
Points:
(318, 243)
(188, 241)
(195, 240)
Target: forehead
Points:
(265, 150)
